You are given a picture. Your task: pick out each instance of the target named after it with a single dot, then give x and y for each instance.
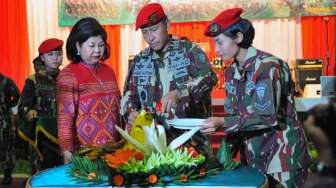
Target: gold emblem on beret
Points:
(153, 18)
(214, 28)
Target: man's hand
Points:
(212, 124)
(67, 156)
(170, 100)
(132, 116)
(31, 115)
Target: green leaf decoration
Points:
(91, 164)
(225, 157)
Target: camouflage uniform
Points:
(39, 94)
(260, 105)
(9, 95)
(181, 66)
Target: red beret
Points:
(149, 15)
(223, 21)
(49, 45)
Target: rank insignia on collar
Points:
(214, 28)
(153, 18)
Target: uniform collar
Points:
(158, 54)
(251, 52)
(248, 64)
(53, 73)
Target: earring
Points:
(78, 53)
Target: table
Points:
(301, 104)
(241, 177)
(305, 104)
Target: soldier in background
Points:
(172, 75)
(38, 101)
(9, 95)
(320, 131)
(260, 103)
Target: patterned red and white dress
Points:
(88, 101)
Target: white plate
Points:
(184, 127)
(186, 123)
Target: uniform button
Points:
(98, 142)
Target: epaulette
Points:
(188, 44)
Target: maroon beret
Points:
(223, 21)
(49, 45)
(149, 15)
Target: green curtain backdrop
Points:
(124, 11)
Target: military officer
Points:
(38, 100)
(171, 75)
(9, 96)
(259, 102)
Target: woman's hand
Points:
(132, 116)
(67, 156)
(31, 115)
(212, 124)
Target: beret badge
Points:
(153, 18)
(214, 28)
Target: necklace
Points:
(101, 83)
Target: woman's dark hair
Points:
(38, 63)
(82, 31)
(246, 28)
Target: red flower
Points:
(92, 175)
(138, 156)
(121, 156)
(202, 172)
(192, 151)
(152, 179)
(118, 180)
(183, 178)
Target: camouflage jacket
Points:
(261, 108)
(39, 93)
(9, 96)
(181, 66)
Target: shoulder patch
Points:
(263, 99)
(188, 44)
(202, 58)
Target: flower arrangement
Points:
(151, 162)
(156, 168)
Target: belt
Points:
(249, 134)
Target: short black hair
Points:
(82, 31)
(246, 28)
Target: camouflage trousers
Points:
(289, 179)
(7, 152)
